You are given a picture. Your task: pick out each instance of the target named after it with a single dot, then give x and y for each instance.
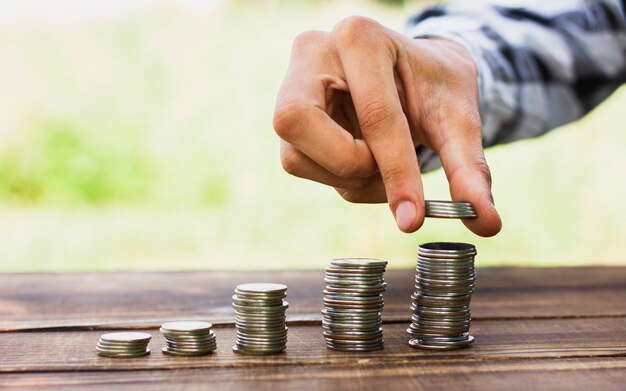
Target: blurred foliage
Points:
(62, 164)
(142, 140)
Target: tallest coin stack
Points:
(443, 289)
(444, 284)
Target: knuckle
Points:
(290, 160)
(288, 117)
(307, 39)
(393, 174)
(347, 169)
(432, 118)
(354, 28)
(374, 113)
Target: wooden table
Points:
(562, 328)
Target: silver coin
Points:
(100, 348)
(257, 304)
(359, 263)
(126, 337)
(354, 277)
(123, 345)
(344, 289)
(361, 284)
(357, 272)
(261, 349)
(174, 352)
(196, 346)
(261, 310)
(442, 344)
(254, 352)
(354, 345)
(262, 287)
(447, 249)
(265, 317)
(123, 355)
(187, 327)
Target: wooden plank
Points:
(573, 374)
(495, 340)
(144, 300)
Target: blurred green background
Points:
(137, 135)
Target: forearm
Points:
(540, 66)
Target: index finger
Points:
(370, 76)
(300, 117)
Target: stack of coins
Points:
(450, 210)
(260, 318)
(124, 344)
(188, 338)
(353, 302)
(443, 289)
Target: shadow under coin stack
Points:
(188, 338)
(260, 318)
(443, 289)
(124, 344)
(353, 301)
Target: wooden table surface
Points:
(544, 329)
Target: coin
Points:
(353, 302)
(123, 355)
(126, 337)
(449, 209)
(260, 318)
(444, 283)
(350, 263)
(265, 288)
(125, 344)
(188, 338)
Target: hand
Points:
(356, 101)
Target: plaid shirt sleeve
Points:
(540, 66)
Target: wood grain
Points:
(144, 300)
(495, 340)
(607, 374)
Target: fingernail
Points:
(405, 215)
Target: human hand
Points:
(357, 100)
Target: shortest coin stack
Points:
(260, 318)
(124, 344)
(189, 338)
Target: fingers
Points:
(368, 58)
(373, 193)
(298, 164)
(300, 116)
(467, 171)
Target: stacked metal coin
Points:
(353, 301)
(443, 289)
(124, 344)
(188, 338)
(260, 318)
(450, 210)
